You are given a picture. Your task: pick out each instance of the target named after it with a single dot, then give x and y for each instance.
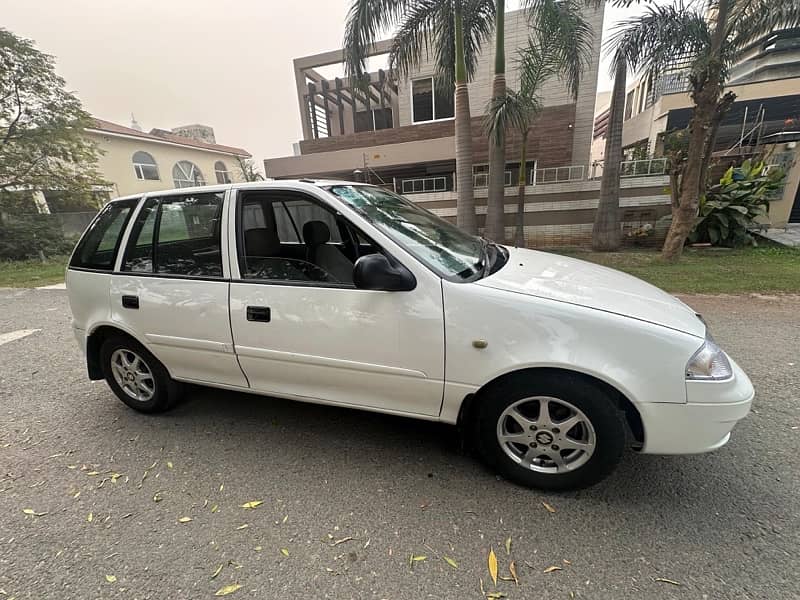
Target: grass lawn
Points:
(700, 271)
(32, 273)
(708, 270)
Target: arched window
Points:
(145, 166)
(223, 176)
(187, 174)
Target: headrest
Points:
(316, 233)
(259, 241)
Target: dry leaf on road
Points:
(493, 565)
(512, 568)
(549, 508)
(665, 580)
(252, 504)
(217, 572)
(111, 578)
(553, 568)
(228, 589)
(450, 562)
(184, 519)
(508, 545)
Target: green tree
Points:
(453, 32)
(42, 146)
(711, 41)
(561, 22)
(544, 57)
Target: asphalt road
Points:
(723, 525)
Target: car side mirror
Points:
(377, 272)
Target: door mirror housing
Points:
(378, 272)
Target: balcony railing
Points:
(557, 174)
(643, 168)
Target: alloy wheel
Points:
(132, 375)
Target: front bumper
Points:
(704, 423)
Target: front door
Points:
(172, 291)
(300, 327)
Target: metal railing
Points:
(643, 168)
(557, 174)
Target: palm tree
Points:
(654, 41)
(561, 22)
(453, 31)
(546, 55)
(605, 232)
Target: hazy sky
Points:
(225, 63)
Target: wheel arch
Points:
(94, 342)
(633, 418)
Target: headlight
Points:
(709, 363)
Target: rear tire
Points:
(551, 431)
(136, 376)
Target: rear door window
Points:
(177, 235)
(99, 245)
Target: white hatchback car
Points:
(348, 294)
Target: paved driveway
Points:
(348, 496)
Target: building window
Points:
(428, 103)
(223, 175)
(145, 166)
(187, 174)
(424, 184)
(373, 120)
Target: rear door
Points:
(172, 290)
(302, 329)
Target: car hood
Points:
(563, 279)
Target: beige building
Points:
(764, 118)
(134, 161)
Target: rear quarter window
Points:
(99, 245)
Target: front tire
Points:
(136, 376)
(551, 431)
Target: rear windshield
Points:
(100, 243)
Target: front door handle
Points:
(259, 313)
(130, 302)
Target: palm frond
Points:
(569, 35)
(366, 19)
(417, 34)
(660, 37)
(514, 111)
(753, 19)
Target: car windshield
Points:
(437, 243)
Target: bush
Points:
(31, 236)
(737, 205)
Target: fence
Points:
(557, 174)
(643, 168)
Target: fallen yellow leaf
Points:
(450, 562)
(30, 511)
(508, 545)
(169, 464)
(184, 519)
(111, 578)
(665, 580)
(493, 565)
(549, 508)
(284, 551)
(217, 572)
(214, 508)
(258, 548)
(512, 568)
(90, 518)
(553, 568)
(245, 526)
(252, 504)
(93, 473)
(228, 589)
(157, 497)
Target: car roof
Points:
(266, 184)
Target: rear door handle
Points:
(130, 302)
(259, 313)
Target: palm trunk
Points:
(606, 230)
(495, 210)
(706, 95)
(465, 205)
(520, 233)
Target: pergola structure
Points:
(342, 106)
